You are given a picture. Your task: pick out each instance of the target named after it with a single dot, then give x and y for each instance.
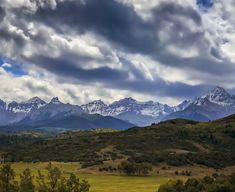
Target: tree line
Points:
(52, 181)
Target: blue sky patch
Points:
(14, 69)
(205, 4)
(1, 61)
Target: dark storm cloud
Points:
(2, 14)
(9, 37)
(67, 68)
(120, 24)
(113, 20)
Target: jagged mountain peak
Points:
(218, 91)
(98, 102)
(220, 96)
(55, 101)
(26, 106)
(128, 99)
(96, 106)
(125, 101)
(35, 100)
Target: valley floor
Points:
(105, 182)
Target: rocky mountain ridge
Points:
(217, 103)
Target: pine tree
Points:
(54, 178)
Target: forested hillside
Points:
(175, 142)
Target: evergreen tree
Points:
(26, 182)
(53, 177)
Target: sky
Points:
(84, 50)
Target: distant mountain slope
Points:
(192, 112)
(108, 122)
(69, 123)
(87, 122)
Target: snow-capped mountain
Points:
(128, 109)
(149, 108)
(96, 107)
(215, 104)
(217, 96)
(14, 112)
(218, 103)
(26, 106)
(53, 116)
(54, 109)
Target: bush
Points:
(131, 168)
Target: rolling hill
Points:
(175, 142)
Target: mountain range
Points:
(217, 103)
(53, 116)
(122, 114)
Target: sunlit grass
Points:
(100, 182)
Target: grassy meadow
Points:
(100, 182)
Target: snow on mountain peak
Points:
(220, 96)
(127, 106)
(219, 91)
(95, 107)
(182, 105)
(26, 106)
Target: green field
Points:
(101, 182)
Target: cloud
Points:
(2, 14)
(164, 50)
(133, 33)
(6, 65)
